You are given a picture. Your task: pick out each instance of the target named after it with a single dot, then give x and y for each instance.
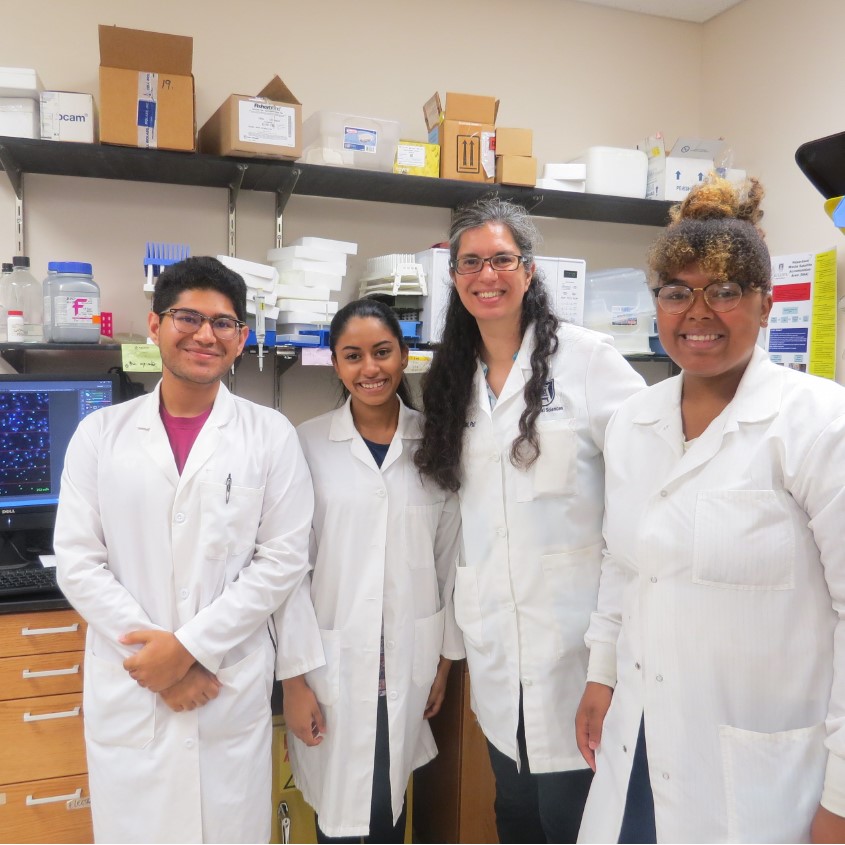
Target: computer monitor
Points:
(38, 415)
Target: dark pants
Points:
(382, 828)
(536, 808)
(638, 821)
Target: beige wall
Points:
(578, 75)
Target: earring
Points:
(764, 322)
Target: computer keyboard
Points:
(27, 581)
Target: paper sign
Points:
(140, 358)
(316, 356)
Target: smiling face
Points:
(709, 344)
(370, 361)
(198, 359)
(491, 295)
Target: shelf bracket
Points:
(234, 190)
(15, 176)
(285, 358)
(283, 194)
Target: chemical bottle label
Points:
(75, 310)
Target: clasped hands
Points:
(164, 666)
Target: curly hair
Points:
(447, 389)
(715, 227)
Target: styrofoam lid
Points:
(20, 82)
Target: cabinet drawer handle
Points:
(50, 673)
(54, 799)
(35, 632)
(62, 714)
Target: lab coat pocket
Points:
(743, 539)
(554, 473)
(325, 680)
(428, 641)
(420, 528)
(244, 697)
(572, 585)
(117, 711)
(773, 782)
(468, 606)
(229, 520)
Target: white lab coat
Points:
(725, 573)
(139, 546)
(384, 547)
(532, 545)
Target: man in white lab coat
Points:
(183, 525)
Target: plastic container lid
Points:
(15, 313)
(77, 267)
(6, 267)
(20, 261)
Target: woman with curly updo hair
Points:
(516, 406)
(715, 704)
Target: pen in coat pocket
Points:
(228, 487)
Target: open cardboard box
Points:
(146, 89)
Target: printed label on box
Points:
(469, 154)
(410, 155)
(623, 315)
(147, 133)
(266, 123)
(360, 140)
(488, 153)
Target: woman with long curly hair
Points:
(714, 708)
(516, 406)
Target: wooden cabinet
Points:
(454, 793)
(43, 783)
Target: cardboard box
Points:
(466, 150)
(514, 142)
(267, 125)
(670, 177)
(67, 116)
(416, 158)
(146, 89)
(516, 170)
(471, 108)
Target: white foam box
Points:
(577, 185)
(303, 317)
(258, 276)
(271, 312)
(333, 268)
(20, 82)
(303, 292)
(349, 140)
(311, 278)
(568, 170)
(312, 253)
(67, 116)
(19, 117)
(327, 243)
(618, 171)
(319, 305)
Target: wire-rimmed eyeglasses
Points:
(502, 261)
(719, 296)
(188, 321)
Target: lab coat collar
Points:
(757, 399)
(158, 446)
(343, 428)
(517, 377)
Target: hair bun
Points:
(717, 198)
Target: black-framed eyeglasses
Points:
(469, 264)
(188, 321)
(719, 296)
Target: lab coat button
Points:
(511, 607)
(183, 593)
(526, 682)
(495, 457)
(625, 749)
(501, 532)
(636, 665)
(390, 644)
(381, 492)
(665, 775)
(664, 493)
(180, 517)
(189, 743)
(659, 678)
(393, 695)
(653, 579)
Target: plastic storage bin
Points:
(618, 171)
(349, 140)
(71, 303)
(619, 303)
